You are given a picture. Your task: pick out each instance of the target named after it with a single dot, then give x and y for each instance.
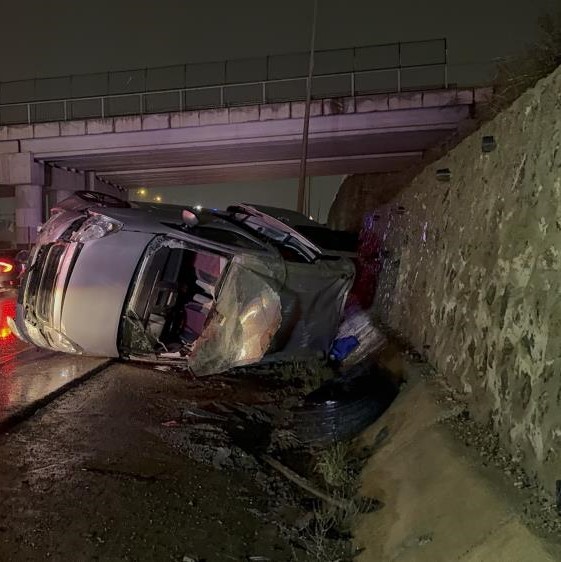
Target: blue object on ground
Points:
(342, 348)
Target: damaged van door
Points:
(196, 304)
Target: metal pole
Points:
(446, 63)
(353, 77)
(309, 205)
(302, 178)
(399, 67)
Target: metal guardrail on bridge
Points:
(352, 71)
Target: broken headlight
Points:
(96, 227)
(32, 333)
(14, 328)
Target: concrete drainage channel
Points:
(450, 492)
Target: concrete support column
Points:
(91, 181)
(29, 213)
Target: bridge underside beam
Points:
(222, 160)
(272, 169)
(172, 153)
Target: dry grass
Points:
(317, 537)
(311, 373)
(334, 467)
(318, 372)
(320, 538)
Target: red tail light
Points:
(7, 308)
(6, 266)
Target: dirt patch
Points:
(261, 425)
(535, 504)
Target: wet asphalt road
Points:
(90, 471)
(9, 344)
(29, 377)
(32, 377)
(9, 347)
(98, 475)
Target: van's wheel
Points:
(343, 407)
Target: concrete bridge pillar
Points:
(27, 177)
(91, 181)
(29, 213)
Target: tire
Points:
(343, 407)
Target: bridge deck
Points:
(380, 133)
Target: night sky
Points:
(53, 37)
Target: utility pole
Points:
(302, 178)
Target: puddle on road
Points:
(29, 378)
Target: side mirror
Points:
(189, 218)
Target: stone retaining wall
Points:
(472, 274)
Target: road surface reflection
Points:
(9, 343)
(29, 375)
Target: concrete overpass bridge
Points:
(353, 133)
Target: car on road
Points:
(206, 289)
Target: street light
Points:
(158, 199)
